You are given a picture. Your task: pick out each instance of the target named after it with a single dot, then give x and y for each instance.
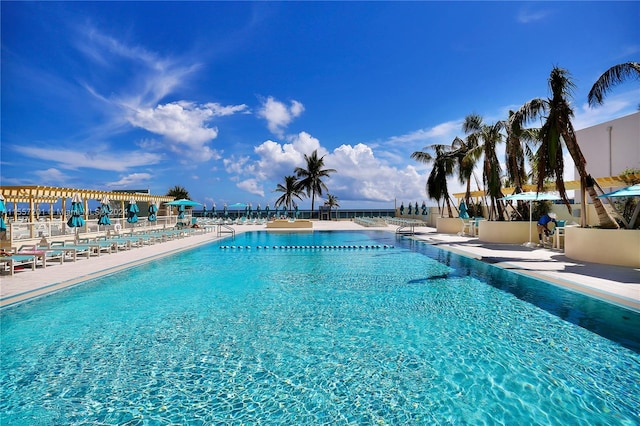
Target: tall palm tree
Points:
(518, 150)
(331, 202)
(556, 131)
(443, 168)
(487, 138)
(178, 192)
(614, 75)
(311, 177)
(465, 164)
(290, 190)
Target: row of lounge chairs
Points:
(31, 256)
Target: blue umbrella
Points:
(401, 209)
(409, 208)
(105, 210)
(258, 210)
(3, 210)
(214, 213)
(424, 209)
(132, 211)
(225, 211)
(266, 211)
(204, 210)
(415, 211)
(153, 211)
(297, 212)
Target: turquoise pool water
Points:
(335, 335)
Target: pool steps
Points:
(345, 247)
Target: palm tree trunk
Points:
(604, 218)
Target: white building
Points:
(610, 148)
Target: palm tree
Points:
(443, 167)
(178, 192)
(332, 201)
(290, 190)
(555, 132)
(614, 75)
(311, 177)
(487, 137)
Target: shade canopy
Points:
(629, 191)
(183, 202)
(463, 211)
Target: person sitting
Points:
(543, 225)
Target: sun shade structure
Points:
(76, 220)
(629, 191)
(183, 202)
(531, 196)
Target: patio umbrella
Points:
(424, 209)
(415, 211)
(463, 211)
(3, 210)
(249, 210)
(266, 211)
(258, 210)
(629, 191)
(225, 210)
(214, 213)
(204, 210)
(105, 210)
(132, 211)
(153, 211)
(76, 220)
(180, 211)
(531, 196)
(409, 208)
(297, 212)
(183, 202)
(284, 211)
(401, 209)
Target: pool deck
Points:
(617, 284)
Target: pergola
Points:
(38, 194)
(604, 182)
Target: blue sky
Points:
(225, 98)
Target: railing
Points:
(20, 231)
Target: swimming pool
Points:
(318, 328)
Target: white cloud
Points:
(130, 181)
(278, 114)
(52, 175)
(99, 157)
(527, 16)
(252, 186)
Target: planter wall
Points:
(608, 246)
(448, 225)
(506, 232)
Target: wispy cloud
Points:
(100, 158)
(278, 114)
(526, 15)
(131, 181)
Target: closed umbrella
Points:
(284, 211)
(424, 209)
(3, 210)
(266, 211)
(76, 220)
(409, 212)
(105, 211)
(401, 209)
(415, 211)
(297, 211)
(204, 210)
(225, 210)
(258, 210)
(153, 212)
(463, 211)
(531, 196)
(214, 213)
(132, 211)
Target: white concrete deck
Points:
(620, 285)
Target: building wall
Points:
(610, 147)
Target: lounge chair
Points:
(43, 255)
(17, 261)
